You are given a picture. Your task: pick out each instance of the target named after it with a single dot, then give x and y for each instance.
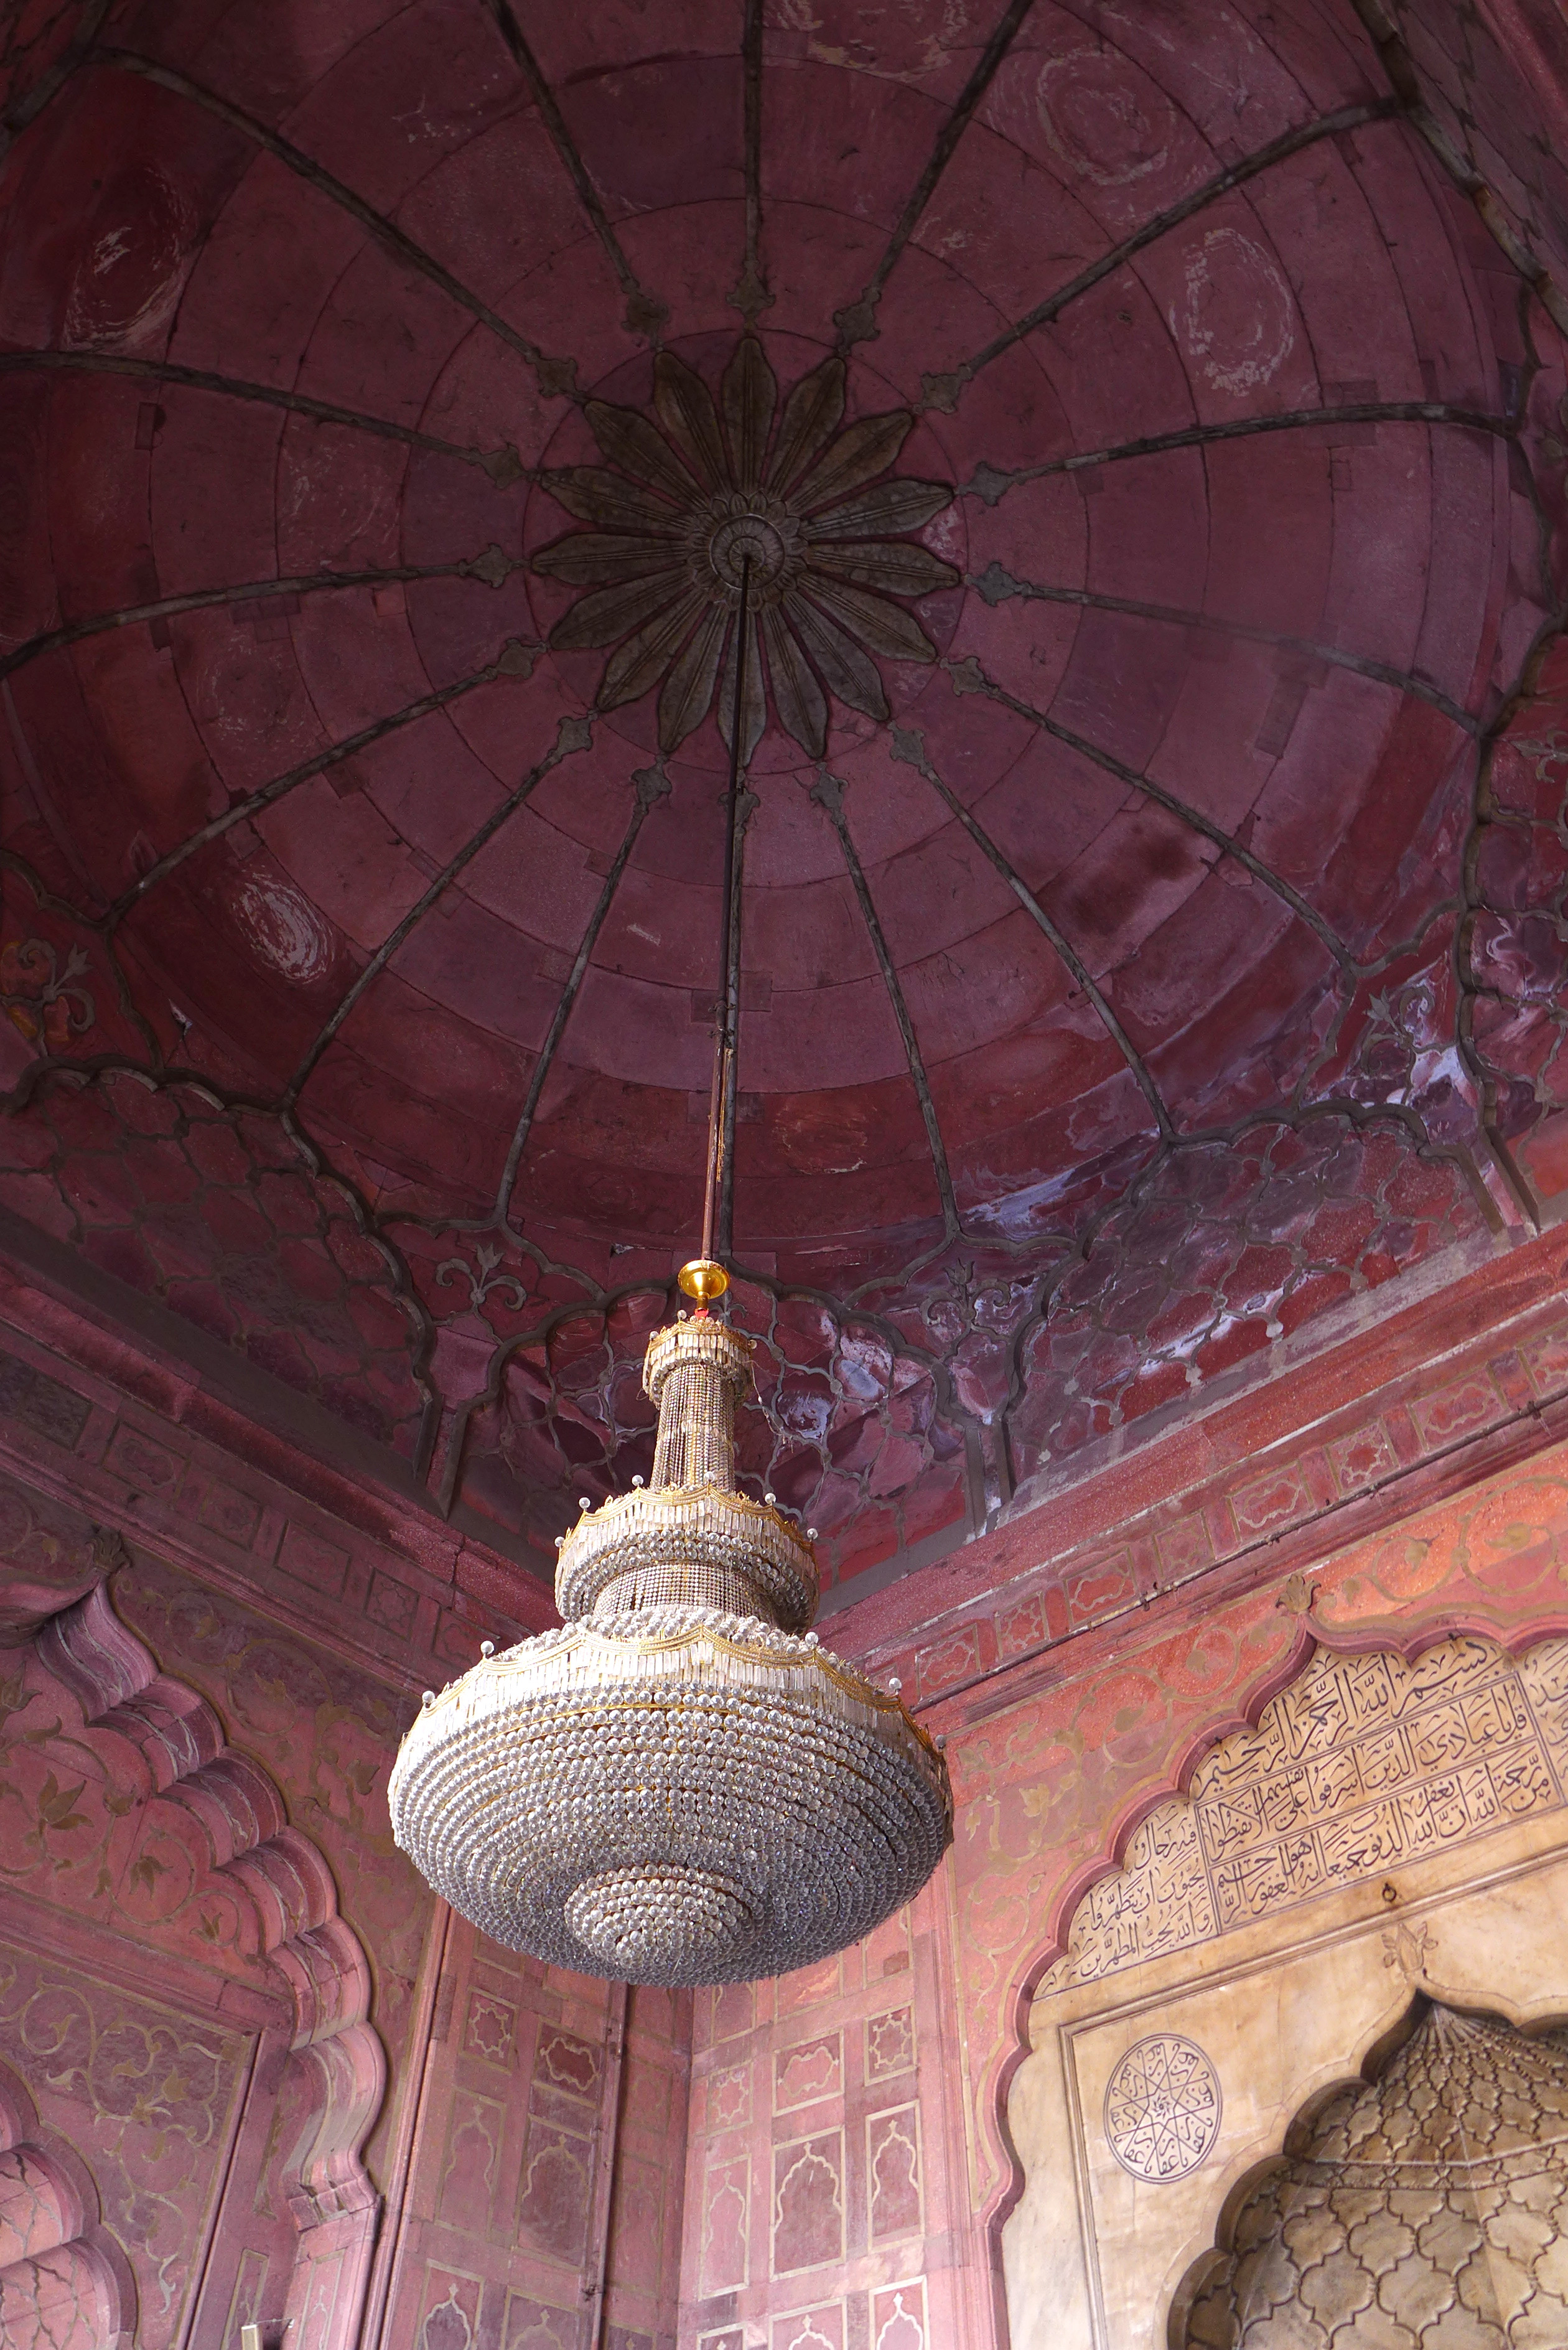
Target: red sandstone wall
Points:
(826, 2167)
(302, 2094)
(199, 1875)
(849, 2163)
(542, 2202)
(1079, 1663)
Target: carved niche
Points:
(1363, 1764)
(1427, 2210)
(145, 1757)
(64, 2283)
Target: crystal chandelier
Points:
(681, 1785)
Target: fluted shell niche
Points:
(1427, 2208)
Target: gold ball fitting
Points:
(703, 1280)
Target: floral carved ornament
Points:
(795, 502)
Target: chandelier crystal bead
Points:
(677, 1787)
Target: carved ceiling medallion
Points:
(678, 506)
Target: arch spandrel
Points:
(1364, 1765)
(1051, 1788)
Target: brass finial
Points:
(703, 1280)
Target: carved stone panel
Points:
(810, 2329)
(723, 2014)
(557, 2179)
(725, 2211)
(451, 2310)
(472, 2159)
(1363, 1764)
(491, 2029)
(898, 2317)
(893, 2173)
(890, 2043)
(729, 2098)
(146, 2094)
(808, 2202)
(534, 2326)
(558, 2163)
(812, 2070)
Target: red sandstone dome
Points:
(1143, 946)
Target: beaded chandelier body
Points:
(680, 1786)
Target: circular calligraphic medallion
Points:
(1162, 2108)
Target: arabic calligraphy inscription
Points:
(1162, 2108)
(1363, 1764)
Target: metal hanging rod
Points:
(704, 1278)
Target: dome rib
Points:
(500, 464)
(828, 793)
(856, 323)
(652, 786)
(555, 376)
(206, 599)
(573, 736)
(645, 313)
(998, 585)
(943, 391)
(970, 677)
(990, 483)
(910, 747)
(268, 794)
(749, 294)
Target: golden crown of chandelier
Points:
(681, 1785)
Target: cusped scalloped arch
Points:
(256, 1885)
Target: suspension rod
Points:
(727, 1023)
